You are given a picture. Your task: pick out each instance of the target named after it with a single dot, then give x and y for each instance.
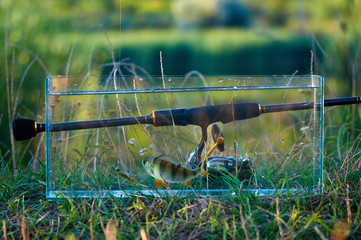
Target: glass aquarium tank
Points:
(171, 135)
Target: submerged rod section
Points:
(202, 116)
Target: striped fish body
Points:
(161, 169)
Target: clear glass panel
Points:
(279, 150)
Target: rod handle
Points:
(225, 113)
(24, 129)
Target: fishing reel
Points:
(221, 166)
(240, 168)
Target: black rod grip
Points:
(24, 129)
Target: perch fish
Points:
(165, 171)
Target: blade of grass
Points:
(8, 94)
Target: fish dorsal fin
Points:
(167, 159)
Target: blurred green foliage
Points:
(212, 36)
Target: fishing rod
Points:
(202, 116)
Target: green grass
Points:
(26, 213)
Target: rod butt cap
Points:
(24, 129)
